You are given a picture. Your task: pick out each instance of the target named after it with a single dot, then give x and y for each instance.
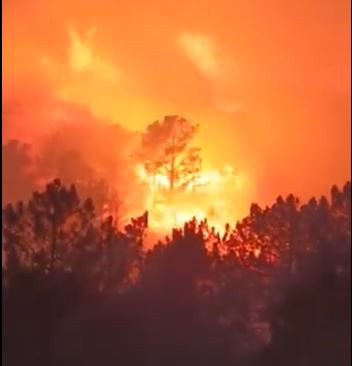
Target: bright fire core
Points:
(204, 198)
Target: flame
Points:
(256, 252)
(204, 198)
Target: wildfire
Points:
(206, 197)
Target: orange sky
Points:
(268, 81)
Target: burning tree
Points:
(165, 151)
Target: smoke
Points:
(61, 139)
(279, 113)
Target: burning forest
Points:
(176, 183)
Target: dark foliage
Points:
(275, 290)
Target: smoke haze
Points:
(274, 104)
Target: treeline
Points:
(105, 157)
(274, 290)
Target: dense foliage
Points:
(274, 290)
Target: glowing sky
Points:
(268, 81)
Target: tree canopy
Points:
(165, 150)
(272, 290)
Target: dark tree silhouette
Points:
(71, 167)
(274, 290)
(164, 149)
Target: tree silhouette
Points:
(41, 232)
(311, 323)
(72, 168)
(164, 150)
(273, 290)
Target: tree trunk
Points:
(53, 246)
(172, 173)
(172, 165)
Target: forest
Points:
(78, 289)
(176, 183)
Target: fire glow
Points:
(203, 198)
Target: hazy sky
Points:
(268, 81)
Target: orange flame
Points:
(203, 198)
